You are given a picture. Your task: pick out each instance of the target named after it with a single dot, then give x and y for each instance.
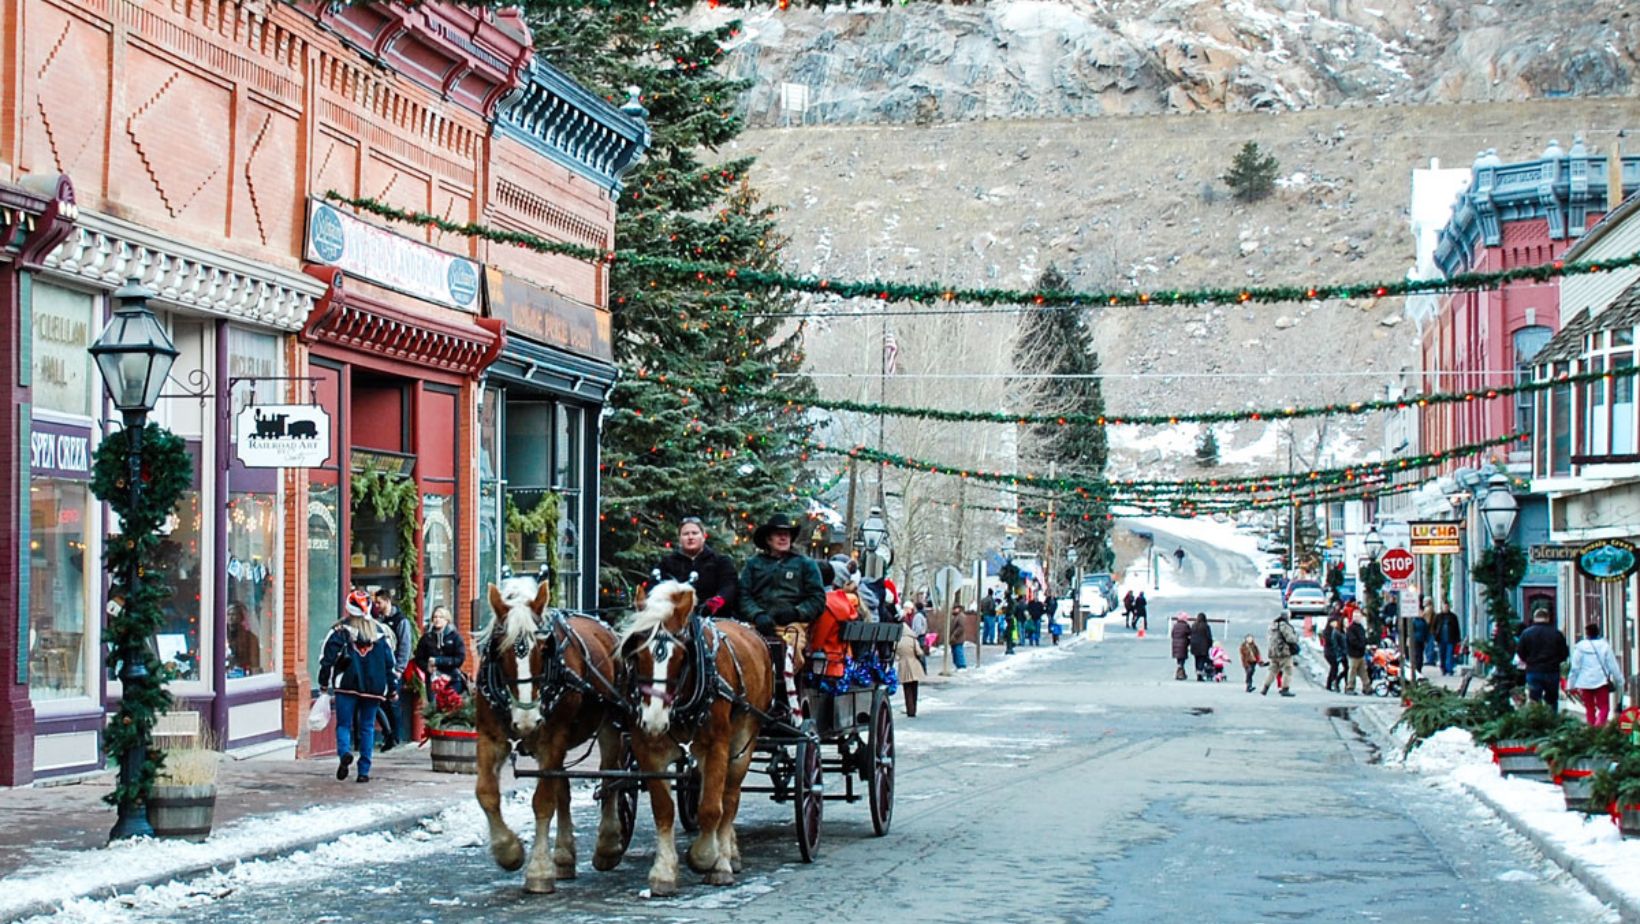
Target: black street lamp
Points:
(872, 540)
(1498, 510)
(134, 355)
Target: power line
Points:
(1148, 375)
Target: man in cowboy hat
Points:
(779, 586)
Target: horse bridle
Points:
(555, 680)
(701, 640)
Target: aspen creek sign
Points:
(1607, 560)
(282, 436)
(361, 249)
(59, 451)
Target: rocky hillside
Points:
(1009, 59)
(1136, 202)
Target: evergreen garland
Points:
(1499, 650)
(716, 455)
(542, 522)
(760, 275)
(392, 496)
(167, 471)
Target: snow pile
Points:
(1003, 667)
(1453, 760)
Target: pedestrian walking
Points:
(988, 618)
(1011, 625)
(1595, 674)
(1127, 609)
(1283, 645)
(1179, 636)
(1355, 649)
(1448, 635)
(398, 626)
(1201, 645)
(1421, 634)
(1334, 646)
(908, 658)
(917, 622)
(1543, 649)
(1033, 624)
(357, 665)
(1250, 659)
(1141, 611)
(1055, 627)
(959, 639)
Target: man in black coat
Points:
(1355, 647)
(717, 585)
(1543, 648)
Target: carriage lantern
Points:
(134, 355)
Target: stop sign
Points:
(1398, 564)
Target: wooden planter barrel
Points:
(454, 750)
(1576, 779)
(1518, 757)
(182, 811)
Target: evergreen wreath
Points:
(167, 471)
(541, 521)
(390, 495)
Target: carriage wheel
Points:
(808, 797)
(687, 791)
(880, 753)
(625, 793)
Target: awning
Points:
(366, 324)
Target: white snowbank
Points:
(1452, 759)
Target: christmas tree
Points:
(1207, 448)
(1252, 174)
(675, 444)
(1057, 340)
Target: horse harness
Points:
(701, 641)
(556, 679)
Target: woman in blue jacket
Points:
(357, 666)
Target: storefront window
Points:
(1623, 406)
(58, 580)
(179, 639)
(324, 584)
(438, 544)
(1596, 437)
(253, 615)
(567, 461)
(489, 488)
(1560, 413)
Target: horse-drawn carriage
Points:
(681, 705)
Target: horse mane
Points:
(657, 609)
(517, 593)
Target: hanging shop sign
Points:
(1607, 560)
(282, 436)
(361, 249)
(1554, 552)
(1435, 538)
(59, 450)
(548, 317)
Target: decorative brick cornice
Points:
(563, 121)
(107, 250)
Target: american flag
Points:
(891, 352)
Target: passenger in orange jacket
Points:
(828, 653)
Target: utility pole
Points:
(853, 487)
(1292, 508)
(1047, 544)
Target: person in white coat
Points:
(1594, 674)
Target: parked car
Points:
(1106, 584)
(1306, 597)
(1273, 576)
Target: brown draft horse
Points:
(538, 688)
(698, 696)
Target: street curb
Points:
(396, 823)
(1627, 908)
(1600, 887)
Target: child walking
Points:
(1250, 659)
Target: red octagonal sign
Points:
(1398, 564)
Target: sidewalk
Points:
(1589, 848)
(53, 838)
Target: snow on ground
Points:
(1452, 759)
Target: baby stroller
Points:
(1385, 669)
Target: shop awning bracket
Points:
(233, 382)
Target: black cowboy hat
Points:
(778, 521)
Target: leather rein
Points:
(556, 679)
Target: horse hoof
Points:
(509, 857)
(564, 870)
(539, 885)
(718, 877)
(697, 865)
(604, 862)
(735, 864)
(659, 889)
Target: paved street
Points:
(1085, 785)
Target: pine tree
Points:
(1207, 448)
(675, 445)
(1058, 340)
(1252, 174)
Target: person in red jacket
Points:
(828, 653)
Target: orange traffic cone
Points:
(1141, 631)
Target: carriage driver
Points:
(716, 585)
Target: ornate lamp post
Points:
(1499, 509)
(1372, 579)
(134, 355)
(873, 536)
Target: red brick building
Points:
(190, 145)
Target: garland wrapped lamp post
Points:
(1372, 579)
(134, 355)
(1498, 511)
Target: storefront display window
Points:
(489, 488)
(438, 544)
(324, 583)
(567, 461)
(57, 643)
(253, 614)
(179, 640)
